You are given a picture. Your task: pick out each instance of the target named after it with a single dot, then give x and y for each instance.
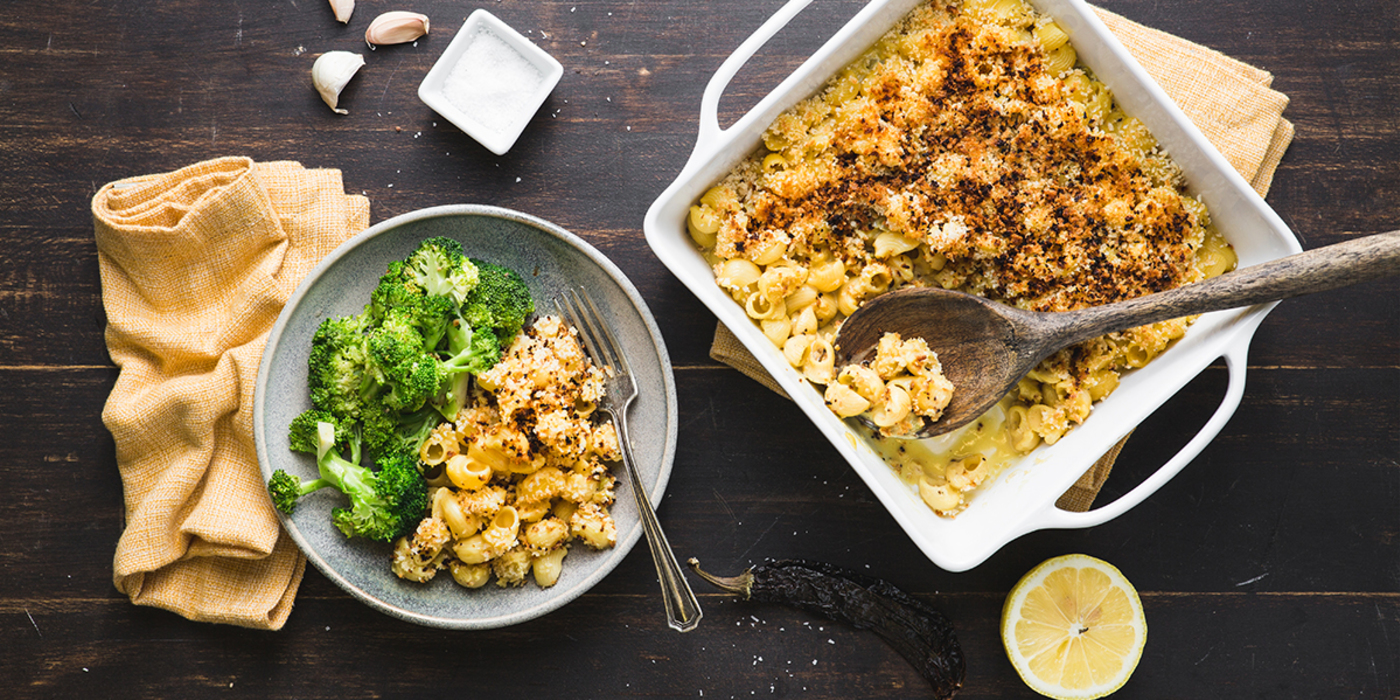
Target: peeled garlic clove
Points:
(331, 72)
(396, 28)
(342, 10)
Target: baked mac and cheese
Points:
(966, 149)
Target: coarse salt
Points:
(492, 83)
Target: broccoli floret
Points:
(408, 370)
(436, 269)
(431, 316)
(472, 353)
(415, 383)
(413, 429)
(472, 350)
(304, 433)
(285, 489)
(393, 342)
(500, 301)
(388, 432)
(453, 397)
(439, 268)
(396, 290)
(338, 366)
(399, 294)
(393, 504)
(383, 505)
(341, 330)
(317, 432)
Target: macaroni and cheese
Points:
(898, 389)
(522, 472)
(966, 149)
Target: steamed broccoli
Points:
(390, 505)
(339, 367)
(383, 380)
(437, 268)
(429, 315)
(384, 505)
(395, 290)
(500, 301)
(317, 432)
(354, 359)
(440, 268)
(387, 432)
(473, 352)
(437, 272)
(401, 362)
(305, 432)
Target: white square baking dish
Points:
(1022, 499)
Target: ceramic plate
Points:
(551, 260)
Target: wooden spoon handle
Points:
(1317, 270)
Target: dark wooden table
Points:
(1269, 568)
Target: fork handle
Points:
(682, 609)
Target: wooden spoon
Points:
(986, 347)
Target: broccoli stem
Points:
(349, 477)
(454, 399)
(313, 485)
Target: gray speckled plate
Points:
(551, 260)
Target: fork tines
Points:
(578, 308)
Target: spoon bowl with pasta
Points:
(986, 347)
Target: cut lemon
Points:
(1073, 627)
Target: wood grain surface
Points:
(1269, 568)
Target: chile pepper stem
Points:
(741, 584)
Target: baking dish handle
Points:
(1054, 517)
(709, 101)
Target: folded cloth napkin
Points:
(196, 264)
(1229, 101)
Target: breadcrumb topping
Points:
(962, 140)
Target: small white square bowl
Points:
(495, 125)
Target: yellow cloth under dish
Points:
(196, 264)
(1229, 101)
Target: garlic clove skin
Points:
(342, 10)
(331, 72)
(396, 28)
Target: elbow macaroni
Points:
(524, 469)
(899, 389)
(970, 150)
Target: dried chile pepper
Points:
(922, 635)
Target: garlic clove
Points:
(331, 72)
(396, 28)
(342, 10)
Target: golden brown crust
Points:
(962, 123)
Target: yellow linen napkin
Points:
(1229, 101)
(196, 264)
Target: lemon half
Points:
(1073, 627)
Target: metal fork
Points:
(682, 609)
